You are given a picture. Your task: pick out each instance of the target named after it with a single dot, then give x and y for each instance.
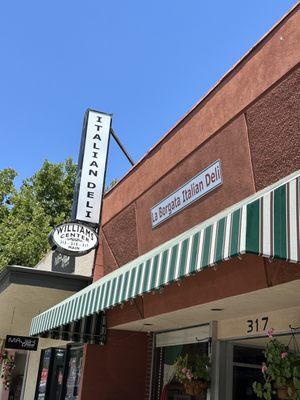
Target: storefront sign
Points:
(21, 343)
(73, 239)
(91, 167)
(62, 263)
(203, 183)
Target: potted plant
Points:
(281, 373)
(7, 364)
(194, 375)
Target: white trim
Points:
(177, 266)
(213, 244)
(189, 254)
(200, 249)
(293, 234)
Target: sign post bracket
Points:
(114, 135)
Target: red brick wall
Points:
(116, 370)
(149, 367)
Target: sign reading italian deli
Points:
(73, 239)
(89, 185)
(200, 185)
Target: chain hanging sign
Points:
(73, 239)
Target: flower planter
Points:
(196, 388)
(280, 371)
(282, 394)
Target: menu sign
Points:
(200, 185)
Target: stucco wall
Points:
(274, 131)
(121, 237)
(260, 69)
(83, 265)
(230, 146)
(256, 149)
(250, 121)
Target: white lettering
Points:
(201, 184)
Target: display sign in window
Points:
(74, 373)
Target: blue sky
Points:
(147, 62)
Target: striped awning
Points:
(89, 329)
(265, 224)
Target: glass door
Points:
(73, 372)
(246, 366)
(51, 372)
(57, 374)
(43, 375)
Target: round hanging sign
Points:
(73, 239)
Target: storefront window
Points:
(246, 369)
(165, 386)
(51, 372)
(43, 376)
(73, 373)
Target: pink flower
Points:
(184, 370)
(284, 354)
(189, 376)
(270, 333)
(264, 368)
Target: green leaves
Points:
(268, 391)
(258, 390)
(53, 188)
(27, 215)
(196, 368)
(280, 371)
(7, 191)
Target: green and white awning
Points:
(265, 224)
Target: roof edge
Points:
(49, 279)
(207, 94)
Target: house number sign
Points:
(257, 325)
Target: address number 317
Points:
(257, 325)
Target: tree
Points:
(111, 185)
(27, 215)
(7, 190)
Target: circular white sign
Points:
(73, 239)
